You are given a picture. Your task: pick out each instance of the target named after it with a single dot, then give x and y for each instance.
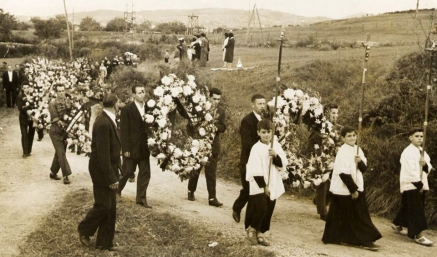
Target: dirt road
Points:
(27, 194)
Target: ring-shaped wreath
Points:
(176, 95)
(294, 106)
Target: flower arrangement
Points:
(293, 106)
(191, 102)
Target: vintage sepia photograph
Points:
(218, 128)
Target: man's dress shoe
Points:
(236, 216)
(54, 176)
(145, 205)
(84, 240)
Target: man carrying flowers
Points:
(59, 108)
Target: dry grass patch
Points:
(139, 233)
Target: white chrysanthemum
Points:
(151, 141)
(177, 153)
(175, 91)
(316, 181)
(198, 108)
(202, 132)
(81, 127)
(151, 103)
(289, 93)
(164, 136)
(296, 183)
(175, 167)
(161, 156)
(187, 90)
(195, 98)
(195, 143)
(318, 110)
(191, 77)
(161, 123)
(306, 184)
(207, 106)
(167, 80)
(192, 84)
(159, 91)
(194, 150)
(149, 118)
(208, 117)
(164, 110)
(168, 99)
(299, 93)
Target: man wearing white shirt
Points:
(134, 144)
(11, 86)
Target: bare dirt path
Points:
(27, 194)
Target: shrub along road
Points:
(27, 195)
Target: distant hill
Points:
(208, 18)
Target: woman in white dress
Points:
(225, 42)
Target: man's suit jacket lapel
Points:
(136, 112)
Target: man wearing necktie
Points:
(11, 86)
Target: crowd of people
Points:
(196, 50)
(59, 97)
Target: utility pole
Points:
(68, 32)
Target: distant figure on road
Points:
(229, 55)
(225, 42)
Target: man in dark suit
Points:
(103, 167)
(11, 86)
(249, 136)
(219, 115)
(26, 122)
(134, 144)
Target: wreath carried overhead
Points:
(185, 97)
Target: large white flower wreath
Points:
(294, 106)
(191, 102)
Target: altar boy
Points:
(265, 183)
(413, 189)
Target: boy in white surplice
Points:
(265, 183)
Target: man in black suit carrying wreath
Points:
(134, 144)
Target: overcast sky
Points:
(309, 8)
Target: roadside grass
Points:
(140, 233)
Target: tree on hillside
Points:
(7, 24)
(48, 29)
(175, 27)
(89, 24)
(116, 24)
(21, 25)
(145, 26)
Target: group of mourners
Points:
(348, 221)
(198, 49)
(262, 157)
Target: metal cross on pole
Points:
(431, 51)
(367, 44)
(278, 79)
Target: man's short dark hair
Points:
(215, 91)
(256, 97)
(329, 107)
(203, 34)
(346, 130)
(414, 130)
(135, 86)
(264, 124)
(55, 87)
(109, 100)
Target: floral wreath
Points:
(191, 102)
(292, 107)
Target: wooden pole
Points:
(278, 79)
(367, 46)
(431, 51)
(68, 32)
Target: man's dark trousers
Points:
(244, 192)
(210, 175)
(143, 179)
(101, 216)
(27, 134)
